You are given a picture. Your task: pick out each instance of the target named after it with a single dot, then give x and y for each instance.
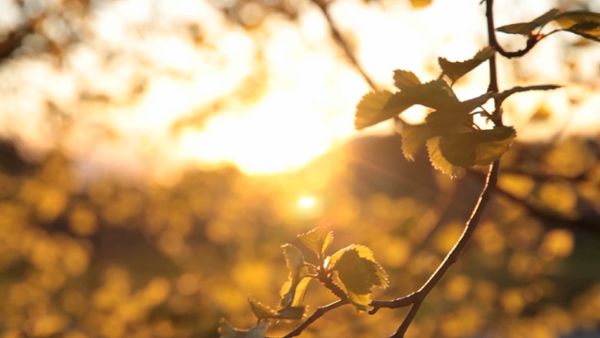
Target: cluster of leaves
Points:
(583, 23)
(453, 139)
(350, 273)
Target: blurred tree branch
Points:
(553, 219)
(14, 39)
(550, 218)
(337, 36)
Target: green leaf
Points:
(438, 161)
(476, 147)
(228, 331)
(317, 240)
(455, 69)
(584, 23)
(295, 263)
(404, 79)
(457, 115)
(435, 94)
(382, 105)
(414, 137)
(294, 259)
(526, 28)
(369, 110)
(294, 297)
(359, 272)
(260, 310)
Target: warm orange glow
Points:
(307, 201)
(302, 105)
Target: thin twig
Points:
(316, 315)
(500, 97)
(470, 226)
(552, 219)
(543, 176)
(394, 303)
(531, 41)
(340, 41)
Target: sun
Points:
(261, 140)
(307, 201)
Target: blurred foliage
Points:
(104, 256)
(251, 13)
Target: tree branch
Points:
(342, 43)
(13, 40)
(531, 41)
(316, 315)
(417, 298)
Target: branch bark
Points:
(316, 315)
(416, 299)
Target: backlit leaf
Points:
(569, 19)
(438, 161)
(476, 147)
(359, 272)
(526, 28)
(260, 310)
(455, 69)
(457, 115)
(294, 261)
(294, 299)
(404, 79)
(379, 106)
(435, 94)
(228, 331)
(369, 110)
(584, 23)
(413, 138)
(317, 239)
